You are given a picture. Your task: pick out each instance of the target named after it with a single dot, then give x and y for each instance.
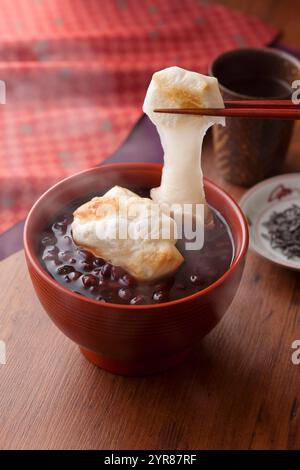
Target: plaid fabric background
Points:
(76, 72)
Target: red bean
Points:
(161, 296)
(48, 239)
(106, 270)
(88, 267)
(99, 262)
(127, 280)
(125, 294)
(138, 300)
(89, 280)
(116, 273)
(65, 269)
(67, 257)
(86, 255)
(73, 276)
(50, 253)
(59, 227)
(195, 279)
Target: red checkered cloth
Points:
(76, 72)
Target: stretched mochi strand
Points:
(181, 135)
(181, 183)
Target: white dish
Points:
(259, 203)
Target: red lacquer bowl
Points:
(127, 339)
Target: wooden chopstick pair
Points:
(264, 109)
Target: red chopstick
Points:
(264, 109)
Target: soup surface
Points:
(90, 276)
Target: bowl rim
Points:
(34, 261)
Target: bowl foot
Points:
(135, 369)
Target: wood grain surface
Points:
(238, 390)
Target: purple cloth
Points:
(142, 144)
(11, 240)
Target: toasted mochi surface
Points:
(128, 231)
(182, 135)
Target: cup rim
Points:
(33, 259)
(268, 50)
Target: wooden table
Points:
(239, 389)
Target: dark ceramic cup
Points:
(249, 150)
